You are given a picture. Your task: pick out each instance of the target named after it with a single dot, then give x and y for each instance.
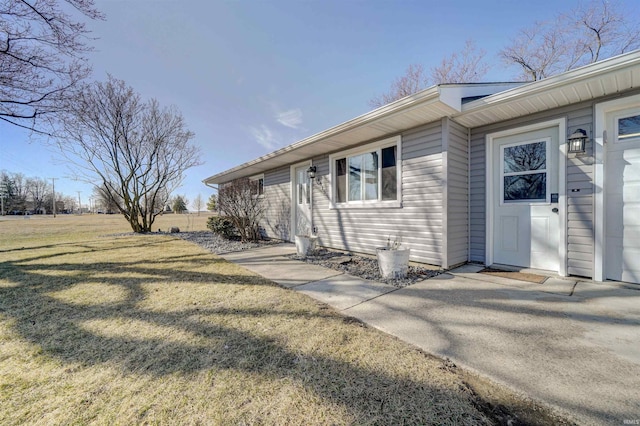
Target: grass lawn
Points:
(101, 328)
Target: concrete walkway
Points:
(574, 345)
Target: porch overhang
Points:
(615, 75)
(421, 108)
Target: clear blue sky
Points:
(253, 76)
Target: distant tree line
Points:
(34, 195)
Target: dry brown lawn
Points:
(101, 328)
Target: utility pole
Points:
(54, 195)
(3, 192)
(79, 203)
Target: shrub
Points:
(241, 203)
(222, 226)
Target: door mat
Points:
(521, 276)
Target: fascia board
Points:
(554, 83)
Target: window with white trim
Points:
(523, 167)
(257, 185)
(368, 176)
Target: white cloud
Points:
(264, 136)
(291, 118)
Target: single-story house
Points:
(491, 173)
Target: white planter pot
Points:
(305, 244)
(393, 263)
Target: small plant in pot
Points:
(393, 260)
(305, 244)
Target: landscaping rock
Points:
(364, 267)
(218, 245)
(359, 266)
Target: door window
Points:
(628, 128)
(523, 168)
(303, 193)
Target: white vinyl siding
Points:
(457, 231)
(277, 196)
(580, 207)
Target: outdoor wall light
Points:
(577, 141)
(311, 172)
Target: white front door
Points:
(301, 199)
(525, 195)
(622, 195)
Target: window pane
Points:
(370, 163)
(532, 187)
(389, 175)
(303, 194)
(525, 157)
(355, 178)
(341, 180)
(629, 127)
(257, 186)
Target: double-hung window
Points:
(367, 176)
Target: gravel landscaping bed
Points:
(359, 266)
(218, 245)
(363, 267)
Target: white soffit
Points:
(614, 75)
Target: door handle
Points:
(555, 210)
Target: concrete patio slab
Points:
(558, 286)
(554, 348)
(345, 291)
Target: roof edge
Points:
(549, 83)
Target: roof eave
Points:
(481, 112)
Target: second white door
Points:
(525, 199)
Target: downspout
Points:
(312, 231)
(445, 130)
(468, 195)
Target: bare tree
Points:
(105, 202)
(413, 80)
(238, 201)
(466, 66)
(198, 203)
(42, 62)
(16, 186)
(137, 151)
(38, 189)
(587, 34)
